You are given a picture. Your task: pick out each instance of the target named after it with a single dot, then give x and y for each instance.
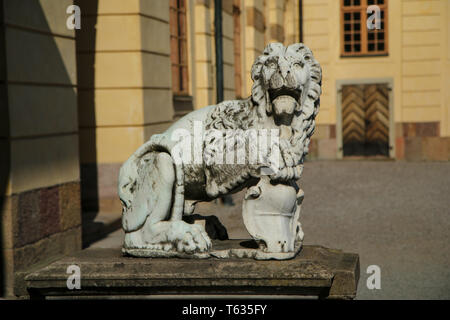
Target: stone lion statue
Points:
(172, 171)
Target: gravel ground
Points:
(395, 215)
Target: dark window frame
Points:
(237, 48)
(178, 47)
(356, 40)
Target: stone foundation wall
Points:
(38, 226)
(415, 141)
(323, 145)
(420, 141)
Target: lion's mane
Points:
(252, 113)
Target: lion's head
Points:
(285, 94)
(287, 86)
(286, 81)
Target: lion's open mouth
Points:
(285, 91)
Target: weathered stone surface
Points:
(271, 214)
(326, 148)
(409, 129)
(56, 245)
(427, 129)
(435, 149)
(230, 249)
(315, 271)
(49, 211)
(70, 205)
(418, 129)
(36, 255)
(195, 160)
(249, 249)
(448, 147)
(400, 148)
(420, 141)
(413, 149)
(28, 220)
(332, 131)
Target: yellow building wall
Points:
(254, 37)
(40, 217)
(445, 78)
(417, 63)
(321, 20)
(228, 50)
(129, 97)
(421, 60)
(418, 52)
(261, 22)
(291, 22)
(202, 53)
(124, 88)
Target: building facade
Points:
(143, 64)
(408, 62)
(77, 103)
(39, 158)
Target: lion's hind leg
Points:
(155, 197)
(152, 199)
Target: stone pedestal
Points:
(315, 271)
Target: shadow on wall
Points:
(38, 141)
(4, 145)
(85, 42)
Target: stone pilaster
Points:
(275, 21)
(39, 170)
(123, 53)
(254, 36)
(204, 54)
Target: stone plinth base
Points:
(315, 271)
(228, 249)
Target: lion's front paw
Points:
(188, 237)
